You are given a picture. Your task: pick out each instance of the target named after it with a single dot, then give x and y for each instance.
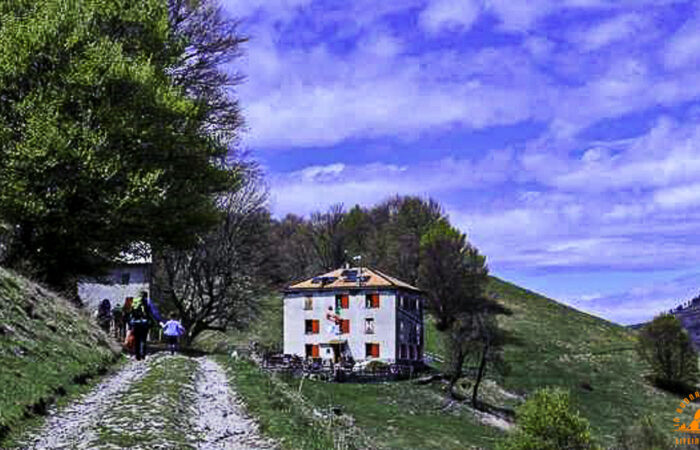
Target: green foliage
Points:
(667, 348)
(98, 145)
(452, 272)
(386, 236)
(546, 422)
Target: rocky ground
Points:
(164, 402)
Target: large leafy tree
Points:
(667, 348)
(108, 135)
(454, 275)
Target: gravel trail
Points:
(73, 426)
(220, 420)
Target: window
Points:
(312, 351)
(371, 350)
(308, 303)
(372, 301)
(311, 326)
(126, 277)
(345, 326)
(342, 301)
(369, 326)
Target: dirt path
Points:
(164, 402)
(73, 426)
(219, 417)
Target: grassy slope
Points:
(556, 346)
(559, 346)
(46, 345)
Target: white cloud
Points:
(610, 31)
(683, 49)
(317, 187)
(678, 197)
(449, 15)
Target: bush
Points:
(546, 422)
(667, 348)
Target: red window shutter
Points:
(375, 300)
(345, 301)
(375, 350)
(315, 326)
(314, 351)
(345, 326)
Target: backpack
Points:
(139, 315)
(104, 309)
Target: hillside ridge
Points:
(47, 346)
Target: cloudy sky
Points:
(562, 135)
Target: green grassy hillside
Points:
(556, 345)
(47, 346)
(552, 345)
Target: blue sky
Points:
(563, 136)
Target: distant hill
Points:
(46, 346)
(595, 359)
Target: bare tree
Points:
(211, 42)
(218, 284)
(328, 238)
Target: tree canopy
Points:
(106, 134)
(667, 348)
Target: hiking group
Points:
(133, 321)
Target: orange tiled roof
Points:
(364, 277)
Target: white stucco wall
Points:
(92, 292)
(384, 317)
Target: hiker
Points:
(172, 329)
(104, 315)
(118, 321)
(140, 320)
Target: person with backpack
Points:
(104, 315)
(140, 321)
(173, 329)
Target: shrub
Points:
(667, 348)
(546, 422)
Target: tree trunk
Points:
(457, 362)
(480, 373)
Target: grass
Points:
(594, 359)
(553, 345)
(155, 411)
(280, 414)
(399, 415)
(47, 347)
(31, 424)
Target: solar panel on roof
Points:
(349, 273)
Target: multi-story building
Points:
(377, 316)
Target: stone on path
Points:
(73, 426)
(220, 420)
